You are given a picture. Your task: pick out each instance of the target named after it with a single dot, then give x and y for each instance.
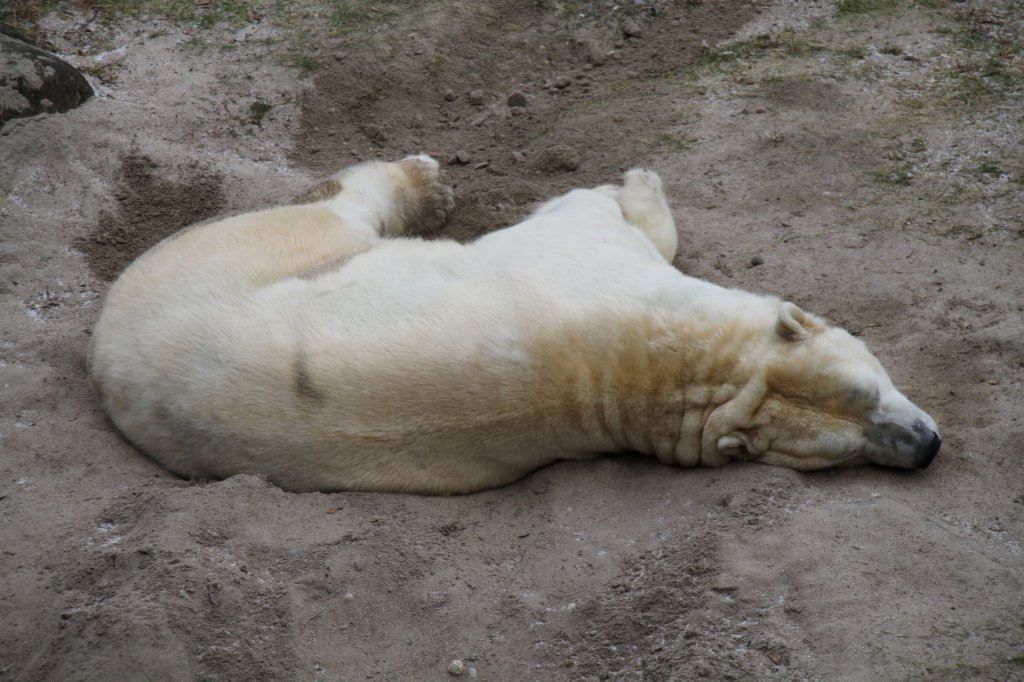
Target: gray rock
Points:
(630, 28)
(33, 81)
(558, 157)
(517, 99)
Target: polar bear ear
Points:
(790, 324)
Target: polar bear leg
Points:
(644, 206)
(396, 199)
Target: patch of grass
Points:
(736, 51)
(231, 12)
(865, 6)
(854, 51)
(671, 142)
(793, 43)
(988, 167)
(344, 17)
(896, 175)
(787, 40)
(26, 14)
(989, 65)
(308, 64)
(259, 109)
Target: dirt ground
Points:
(862, 158)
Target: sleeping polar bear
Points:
(323, 346)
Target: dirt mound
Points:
(521, 102)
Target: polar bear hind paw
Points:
(429, 201)
(644, 206)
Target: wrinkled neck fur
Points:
(652, 385)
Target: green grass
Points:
(308, 63)
(854, 51)
(896, 175)
(671, 142)
(865, 6)
(258, 110)
(988, 167)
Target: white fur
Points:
(302, 344)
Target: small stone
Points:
(456, 667)
(449, 95)
(597, 56)
(562, 82)
(348, 596)
(755, 261)
(519, 157)
(558, 157)
(359, 565)
(460, 158)
(517, 99)
(760, 110)
(476, 97)
(630, 28)
(996, 527)
(472, 673)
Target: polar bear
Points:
(328, 347)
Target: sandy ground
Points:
(869, 162)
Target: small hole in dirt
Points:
(148, 207)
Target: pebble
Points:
(476, 97)
(518, 157)
(517, 99)
(558, 157)
(460, 158)
(472, 673)
(630, 28)
(760, 110)
(359, 565)
(562, 82)
(456, 667)
(755, 261)
(449, 95)
(597, 56)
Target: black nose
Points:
(927, 454)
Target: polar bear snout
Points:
(926, 455)
(909, 447)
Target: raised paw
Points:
(428, 201)
(643, 203)
(642, 181)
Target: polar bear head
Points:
(818, 398)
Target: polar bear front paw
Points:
(429, 201)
